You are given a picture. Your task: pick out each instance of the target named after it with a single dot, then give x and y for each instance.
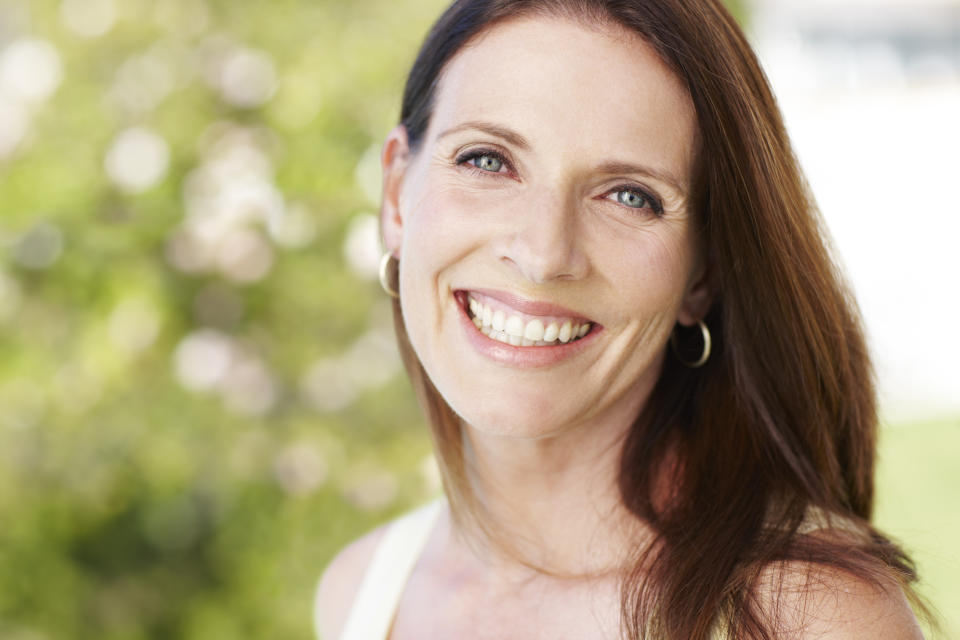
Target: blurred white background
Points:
(870, 90)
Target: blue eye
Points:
(487, 162)
(632, 199)
(484, 160)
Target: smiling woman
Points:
(533, 201)
(648, 389)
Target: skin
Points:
(561, 103)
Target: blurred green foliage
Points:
(199, 400)
(918, 505)
(150, 488)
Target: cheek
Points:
(448, 209)
(443, 230)
(433, 244)
(651, 271)
(441, 194)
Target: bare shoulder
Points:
(340, 583)
(813, 601)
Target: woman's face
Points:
(548, 200)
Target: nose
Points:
(545, 244)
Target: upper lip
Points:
(530, 307)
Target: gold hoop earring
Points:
(704, 355)
(389, 273)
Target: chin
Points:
(524, 416)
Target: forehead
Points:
(593, 87)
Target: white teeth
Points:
(514, 326)
(533, 331)
(551, 332)
(512, 330)
(499, 320)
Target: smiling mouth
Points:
(498, 321)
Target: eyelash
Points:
(465, 159)
(651, 201)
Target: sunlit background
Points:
(200, 397)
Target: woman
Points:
(647, 386)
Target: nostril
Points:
(544, 259)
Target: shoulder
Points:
(806, 600)
(340, 583)
(343, 578)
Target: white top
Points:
(375, 605)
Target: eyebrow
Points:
(626, 167)
(504, 133)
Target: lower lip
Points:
(526, 357)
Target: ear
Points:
(698, 298)
(394, 160)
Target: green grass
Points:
(918, 504)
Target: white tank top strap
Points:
(375, 606)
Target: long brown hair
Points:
(782, 419)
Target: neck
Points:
(554, 503)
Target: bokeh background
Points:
(200, 398)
